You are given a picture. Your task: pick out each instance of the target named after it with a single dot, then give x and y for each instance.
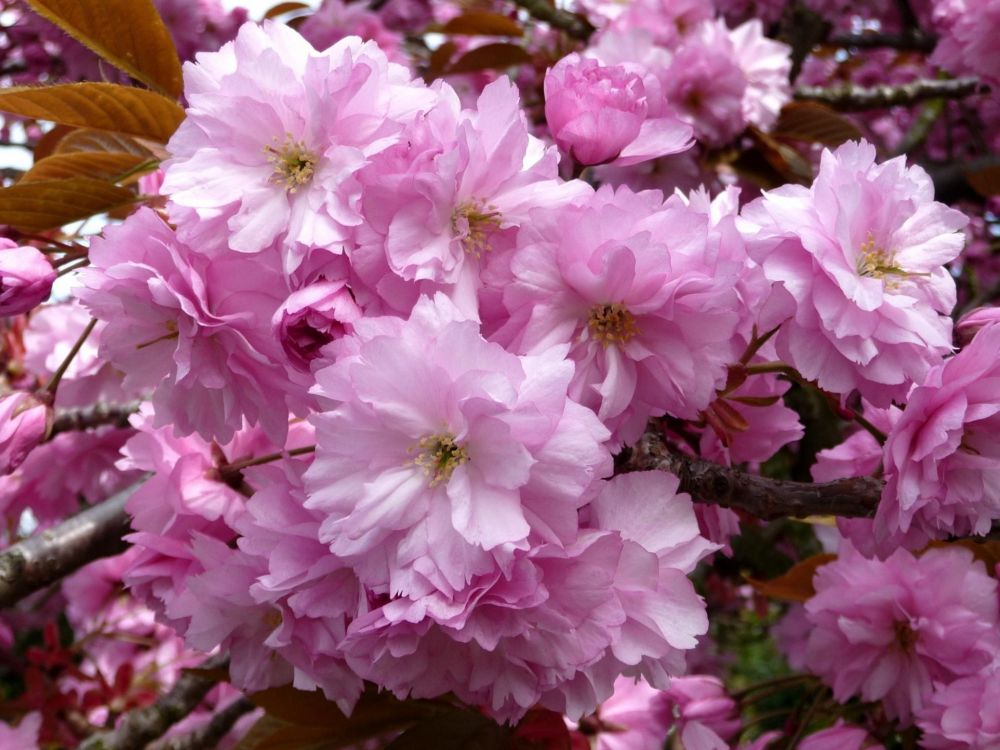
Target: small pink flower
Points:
(963, 714)
(312, 317)
(888, 630)
(707, 718)
(24, 736)
(841, 736)
(598, 113)
(26, 277)
(970, 323)
(24, 422)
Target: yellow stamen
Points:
(294, 164)
(473, 225)
(439, 456)
(612, 323)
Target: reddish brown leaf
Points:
(99, 166)
(85, 140)
(281, 8)
(985, 181)
(497, 56)
(797, 584)
(814, 122)
(36, 206)
(101, 106)
(482, 23)
(129, 34)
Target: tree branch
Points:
(850, 98)
(46, 557)
(208, 735)
(915, 42)
(712, 484)
(75, 420)
(576, 26)
(143, 725)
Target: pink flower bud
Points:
(593, 111)
(26, 278)
(312, 317)
(24, 422)
(970, 323)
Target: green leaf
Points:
(36, 206)
(129, 34)
(100, 106)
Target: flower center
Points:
(905, 636)
(439, 456)
(473, 224)
(294, 164)
(611, 323)
(877, 263)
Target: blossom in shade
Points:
(969, 324)
(26, 277)
(276, 132)
(841, 736)
(442, 453)
(707, 718)
(644, 302)
(669, 22)
(766, 65)
(562, 624)
(598, 113)
(194, 330)
(335, 19)
(963, 714)
(24, 736)
(24, 423)
(968, 35)
(184, 499)
(942, 462)
(707, 85)
(861, 252)
(791, 636)
(312, 317)
(636, 717)
(889, 630)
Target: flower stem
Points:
(64, 365)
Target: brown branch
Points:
(850, 98)
(76, 420)
(209, 735)
(44, 558)
(143, 725)
(710, 483)
(915, 42)
(575, 25)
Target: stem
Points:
(576, 26)
(236, 468)
(874, 431)
(788, 679)
(69, 267)
(58, 375)
(756, 343)
(806, 718)
(765, 367)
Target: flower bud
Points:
(24, 423)
(593, 111)
(970, 323)
(26, 278)
(312, 317)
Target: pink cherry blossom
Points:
(335, 19)
(312, 317)
(194, 330)
(841, 736)
(637, 291)
(276, 132)
(26, 277)
(888, 630)
(24, 423)
(441, 453)
(24, 736)
(962, 714)
(636, 717)
(707, 718)
(766, 65)
(942, 465)
(862, 253)
(598, 113)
